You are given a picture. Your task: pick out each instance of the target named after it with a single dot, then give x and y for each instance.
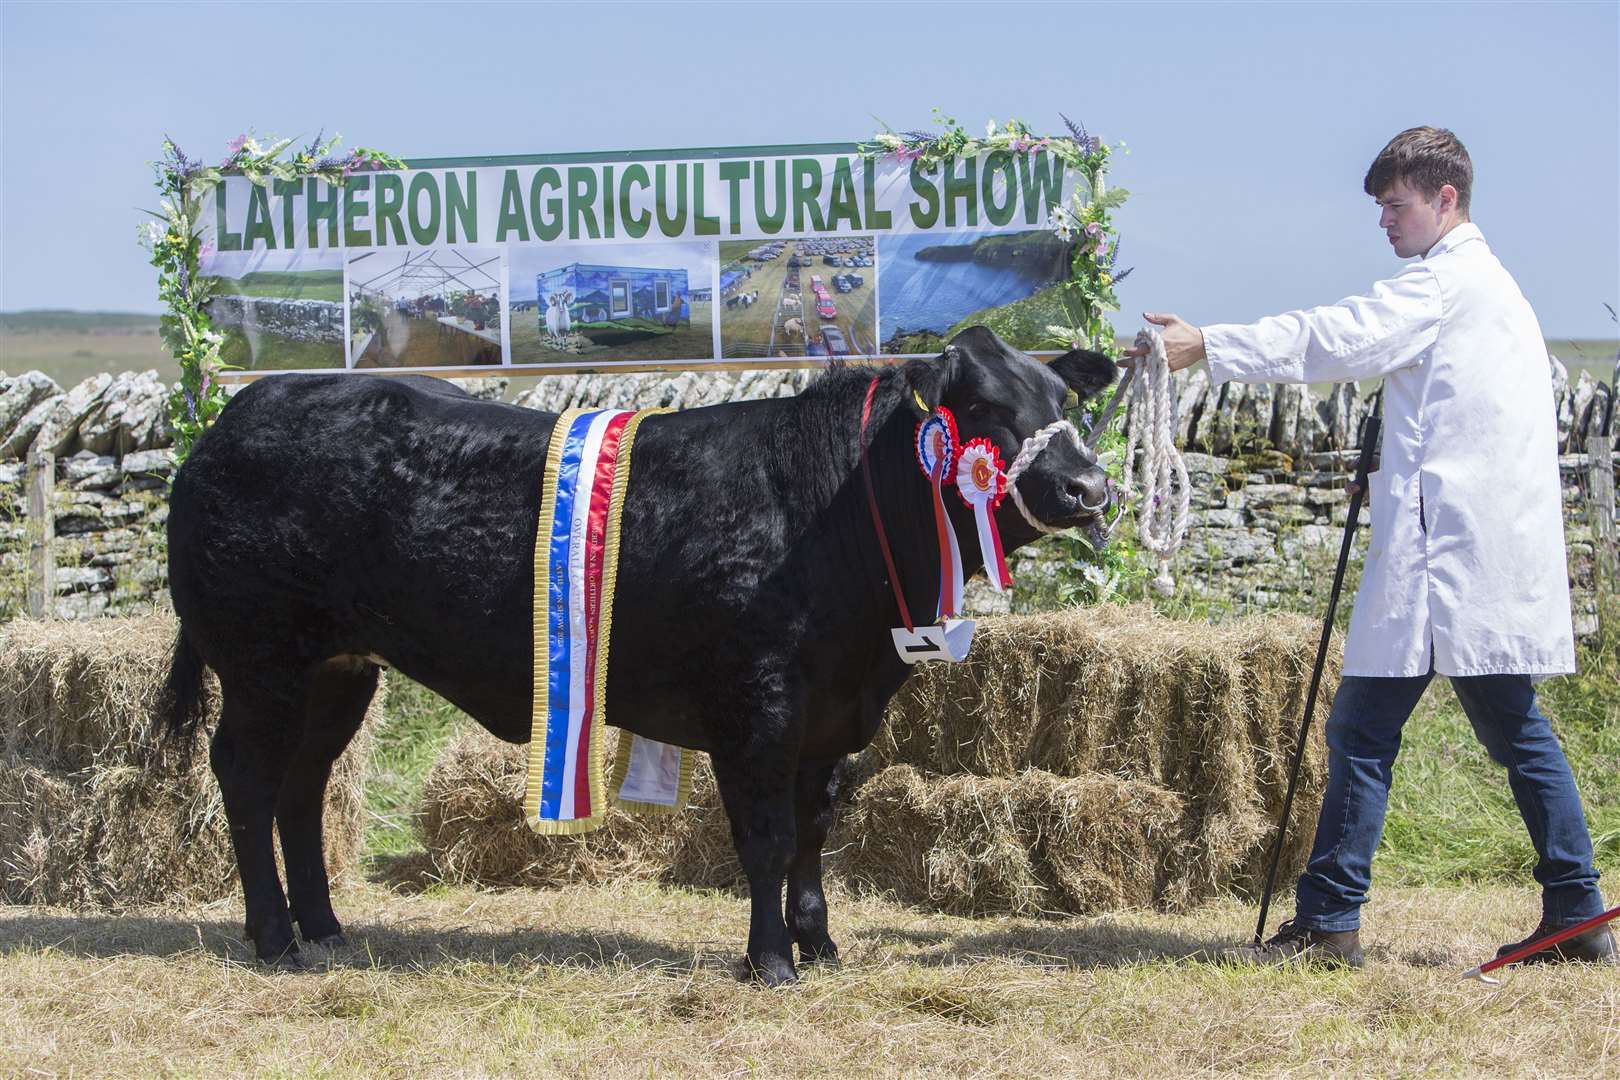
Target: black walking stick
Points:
(1369, 447)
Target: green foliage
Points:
(417, 723)
(1451, 815)
(175, 241)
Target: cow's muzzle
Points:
(1085, 499)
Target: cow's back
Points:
(328, 514)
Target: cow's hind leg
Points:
(814, 793)
(339, 692)
(249, 755)
(756, 786)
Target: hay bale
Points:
(471, 822)
(1078, 762)
(1029, 844)
(1208, 712)
(79, 694)
(97, 810)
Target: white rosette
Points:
(982, 484)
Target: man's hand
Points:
(1183, 342)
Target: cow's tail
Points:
(183, 703)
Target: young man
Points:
(1465, 571)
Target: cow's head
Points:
(999, 393)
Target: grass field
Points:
(638, 981)
(286, 284)
(71, 346)
(278, 353)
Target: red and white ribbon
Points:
(982, 484)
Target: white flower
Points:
(989, 129)
(1062, 221)
(150, 234)
(1094, 574)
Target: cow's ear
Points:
(927, 380)
(1085, 372)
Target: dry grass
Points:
(637, 980)
(95, 808)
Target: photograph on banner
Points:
(277, 310)
(936, 284)
(611, 302)
(811, 296)
(425, 307)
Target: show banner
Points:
(665, 259)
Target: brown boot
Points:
(1595, 946)
(1299, 945)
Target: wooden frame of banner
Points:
(628, 367)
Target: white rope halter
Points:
(1150, 423)
(1026, 456)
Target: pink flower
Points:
(1094, 230)
(234, 147)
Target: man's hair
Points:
(1426, 158)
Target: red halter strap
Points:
(871, 503)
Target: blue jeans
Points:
(1363, 736)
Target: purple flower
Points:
(191, 406)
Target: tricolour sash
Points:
(576, 557)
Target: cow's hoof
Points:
(824, 954)
(289, 959)
(330, 942)
(770, 970)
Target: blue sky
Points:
(1250, 126)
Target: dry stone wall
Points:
(298, 320)
(1268, 467)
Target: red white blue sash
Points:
(576, 567)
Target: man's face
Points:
(1412, 220)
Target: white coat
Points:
(1467, 550)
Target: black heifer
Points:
(327, 524)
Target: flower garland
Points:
(1086, 220)
(175, 242)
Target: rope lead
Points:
(1150, 424)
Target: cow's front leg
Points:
(814, 793)
(757, 790)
